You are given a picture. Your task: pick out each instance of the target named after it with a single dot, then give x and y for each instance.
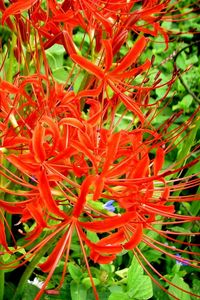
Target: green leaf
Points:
(92, 236)
(75, 272)
(152, 255)
(108, 268)
(195, 206)
(116, 289)
(181, 61)
(184, 103)
(88, 284)
(78, 291)
(78, 82)
(135, 271)
(30, 292)
(192, 60)
(118, 296)
(176, 292)
(103, 293)
(179, 229)
(139, 285)
(122, 273)
(160, 92)
(196, 287)
(142, 288)
(55, 56)
(186, 147)
(60, 75)
(9, 291)
(56, 50)
(158, 293)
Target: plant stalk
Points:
(28, 272)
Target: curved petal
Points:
(109, 223)
(88, 65)
(17, 8)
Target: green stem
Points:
(29, 270)
(2, 282)
(2, 275)
(9, 76)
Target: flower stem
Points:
(29, 270)
(2, 282)
(9, 76)
(2, 275)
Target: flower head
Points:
(66, 152)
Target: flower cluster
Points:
(85, 156)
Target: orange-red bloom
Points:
(69, 149)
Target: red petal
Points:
(135, 239)
(87, 65)
(17, 8)
(13, 208)
(91, 93)
(37, 213)
(141, 168)
(111, 151)
(99, 183)
(100, 247)
(56, 254)
(20, 164)
(134, 71)
(53, 40)
(53, 130)
(128, 102)
(119, 168)
(109, 223)
(82, 198)
(8, 87)
(132, 55)
(46, 196)
(80, 147)
(108, 54)
(114, 238)
(97, 258)
(37, 143)
(72, 122)
(159, 160)
(68, 43)
(95, 111)
(104, 22)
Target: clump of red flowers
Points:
(90, 159)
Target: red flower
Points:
(117, 166)
(64, 155)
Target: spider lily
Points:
(117, 167)
(76, 147)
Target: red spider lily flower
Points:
(64, 155)
(118, 167)
(112, 78)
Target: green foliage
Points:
(55, 56)
(78, 291)
(138, 286)
(179, 282)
